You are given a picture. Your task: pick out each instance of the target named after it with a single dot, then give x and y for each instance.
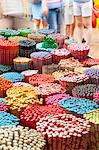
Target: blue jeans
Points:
(55, 18)
(37, 11)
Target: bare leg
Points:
(37, 24)
(44, 23)
(88, 24)
(79, 28)
(72, 27)
(68, 30)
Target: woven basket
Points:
(59, 54)
(69, 64)
(85, 91)
(8, 51)
(93, 74)
(90, 62)
(41, 58)
(26, 48)
(70, 80)
(68, 42)
(79, 51)
(59, 39)
(36, 37)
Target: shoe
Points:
(83, 40)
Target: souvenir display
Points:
(93, 118)
(26, 48)
(32, 115)
(69, 64)
(21, 138)
(79, 51)
(21, 63)
(90, 62)
(8, 32)
(4, 68)
(28, 73)
(53, 100)
(8, 51)
(85, 91)
(21, 97)
(49, 86)
(12, 76)
(59, 54)
(48, 45)
(17, 38)
(24, 32)
(96, 97)
(4, 86)
(59, 39)
(68, 42)
(70, 80)
(49, 89)
(64, 132)
(78, 105)
(93, 74)
(38, 79)
(3, 107)
(36, 37)
(7, 120)
(41, 58)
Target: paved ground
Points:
(94, 51)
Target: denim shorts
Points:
(37, 12)
(55, 19)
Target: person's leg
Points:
(69, 20)
(37, 15)
(52, 20)
(37, 23)
(78, 20)
(60, 17)
(67, 29)
(87, 19)
(44, 19)
(44, 23)
(72, 28)
(88, 24)
(79, 29)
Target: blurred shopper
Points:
(83, 13)
(37, 14)
(69, 18)
(1, 11)
(53, 9)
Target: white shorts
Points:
(83, 9)
(68, 15)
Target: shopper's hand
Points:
(45, 11)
